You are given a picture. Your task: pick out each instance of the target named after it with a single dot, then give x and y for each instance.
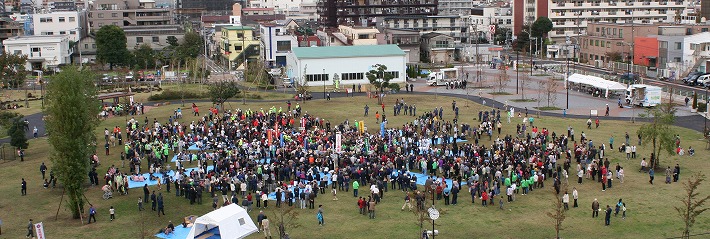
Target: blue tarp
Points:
(133, 184)
(272, 195)
(451, 140)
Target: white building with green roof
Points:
(317, 66)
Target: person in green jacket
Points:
(356, 185)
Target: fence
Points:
(7, 152)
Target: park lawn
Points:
(650, 213)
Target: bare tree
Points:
(503, 78)
(558, 214)
(285, 218)
(524, 80)
(550, 91)
(541, 86)
(692, 205)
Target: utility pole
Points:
(478, 57)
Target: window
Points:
(86, 46)
(47, 33)
(18, 52)
(678, 45)
(283, 46)
(156, 39)
(237, 48)
(114, 14)
(317, 77)
(365, 36)
(45, 19)
(62, 32)
(663, 44)
(621, 33)
(61, 19)
(602, 44)
(72, 32)
(676, 59)
(72, 19)
(705, 29)
(240, 35)
(352, 76)
(139, 39)
(101, 15)
(596, 42)
(93, 46)
(394, 73)
(608, 44)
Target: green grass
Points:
(650, 207)
(547, 108)
(500, 93)
(524, 100)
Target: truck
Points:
(643, 95)
(443, 76)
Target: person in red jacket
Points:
(484, 198)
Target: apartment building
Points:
(237, 44)
(276, 42)
(407, 40)
(571, 17)
(453, 26)
(285, 7)
(455, 7)
(678, 48)
(70, 23)
(155, 36)
(43, 52)
(363, 12)
(605, 41)
(128, 13)
(9, 28)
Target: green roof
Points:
(238, 28)
(347, 51)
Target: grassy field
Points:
(650, 207)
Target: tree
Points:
(522, 43)
(558, 215)
(615, 56)
(502, 34)
(692, 205)
(191, 46)
(541, 27)
(524, 83)
(17, 134)
(659, 132)
(144, 57)
(111, 46)
(13, 71)
(695, 100)
(551, 91)
(285, 219)
(173, 41)
(380, 78)
(503, 78)
(222, 91)
(71, 112)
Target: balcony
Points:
(646, 3)
(612, 3)
(629, 3)
(663, 3)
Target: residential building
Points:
(155, 36)
(70, 23)
(438, 48)
(280, 6)
(605, 41)
(363, 12)
(257, 11)
(87, 46)
(276, 43)
(128, 13)
(455, 7)
(359, 35)
(571, 17)
(684, 53)
(453, 26)
(318, 66)
(646, 52)
(407, 40)
(207, 5)
(64, 6)
(43, 52)
(237, 44)
(9, 28)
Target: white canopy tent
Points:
(597, 82)
(232, 221)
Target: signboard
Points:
(39, 230)
(338, 142)
(593, 112)
(492, 29)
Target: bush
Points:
(174, 95)
(6, 118)
(394, 87)
(701, 107)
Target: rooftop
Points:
(347, 51)
(232, 28)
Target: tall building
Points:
(9, 28)
(454, 26)
(570, 17)
(363, 12)
(71, 23)
(455, 7)
(128, 13)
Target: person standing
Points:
(140, 204)
(371, 208)
(607, 217)
(92, 213)
(565, 200)
(23, 190)
(153, 201)
(43, 169)
(260, 219)
(319, 215)
(367, 110)
(575, 196)
(265, 227)
(650, 175)
(112, 213)
(407, 202)
(356, 185)
(30, 230)
(676, 173)
(146, 193)
(595, 208)
(161, 206)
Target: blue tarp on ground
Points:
(133, 184)
(181, 233)
(421, 179)
(451, 140)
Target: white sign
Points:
(338, 143)
(593, 112)
(131, 97)
(39, 230)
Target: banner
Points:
(39, 230)
(338, 142)
(362, 127)
(270, 137)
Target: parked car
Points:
(686, 79)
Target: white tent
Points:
(597, 82)
(232, 221)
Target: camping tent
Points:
(232, 221)
(597, 82)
